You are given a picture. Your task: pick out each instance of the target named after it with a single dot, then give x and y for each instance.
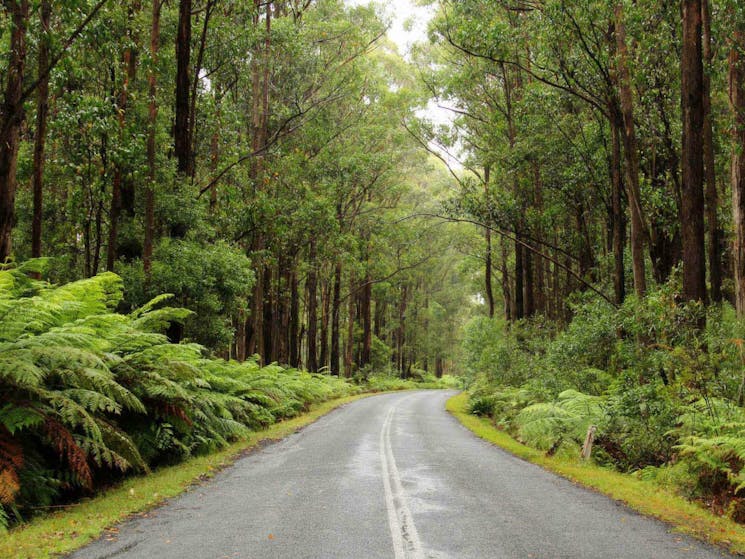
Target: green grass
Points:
(72, 527)
(643, 496)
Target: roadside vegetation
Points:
(666, 398)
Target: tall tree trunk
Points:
(714, 247)
(294, 333)
(147, 250)
(208, 10)
(519, 279)
(129, 70)
(11, 119)
(618, 217)
(325, 306)
(215, 154)
(401, 330)
(181, 139)
(267, 350)
(631, 156)
(256, 333)
(692, 94)
(258, 339)
(488, 256)
(366, 316)
(737, 104)
(540, 274)
(349, 348)
(42, 110)
(506, 290)
(312, 305)
(335, 312)
(528, 298)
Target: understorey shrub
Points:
(89, 395)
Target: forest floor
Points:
(393, 475)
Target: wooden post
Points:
(589, 439)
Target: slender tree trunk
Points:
(147, 252)
(506, 290)
(312, 304)
(366, 316)
(439, 367)
(208, 10)
(631, 156)
(129, 70)
(294, 333)
(488, 259)
(692, 94)
(256, 334)
(258, 339)
(401, 331)
(241, 337)
(737, 104)
(267, 350)
(540, 275)
(335, 311)
(325, 306)
(349, 348)
(42, 110)
(618, 217)
(528, 283)
(519, 280)
(711, 194)
(181, 139)
(11, 119)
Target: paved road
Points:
(391, 477)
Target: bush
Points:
(90, 394)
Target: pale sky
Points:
(408, 21)
(408, 25)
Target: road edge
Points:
(78, 524)
(641, 496)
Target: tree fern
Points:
(88, 391)
(547, 425)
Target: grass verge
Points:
(74, 526)
(643, 496)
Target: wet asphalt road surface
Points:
(392, 476)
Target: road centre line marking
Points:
(406, 542)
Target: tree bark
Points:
(519, 279)
(737, 177)
(181, 139)
(335, 311)
(366, 316)
(129, 70)
(631, 156)
(325, 312)
(349, 348)
(692, 89)
(488, 256)
(42, 111)
(714, 246)
(506, 290)
(294, 318)
(11, 119)
(618, 217)
(147, 250)
(312, 304)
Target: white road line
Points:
(406, 543)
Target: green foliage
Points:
(90, 394)
(666, 398)
(214, 281)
